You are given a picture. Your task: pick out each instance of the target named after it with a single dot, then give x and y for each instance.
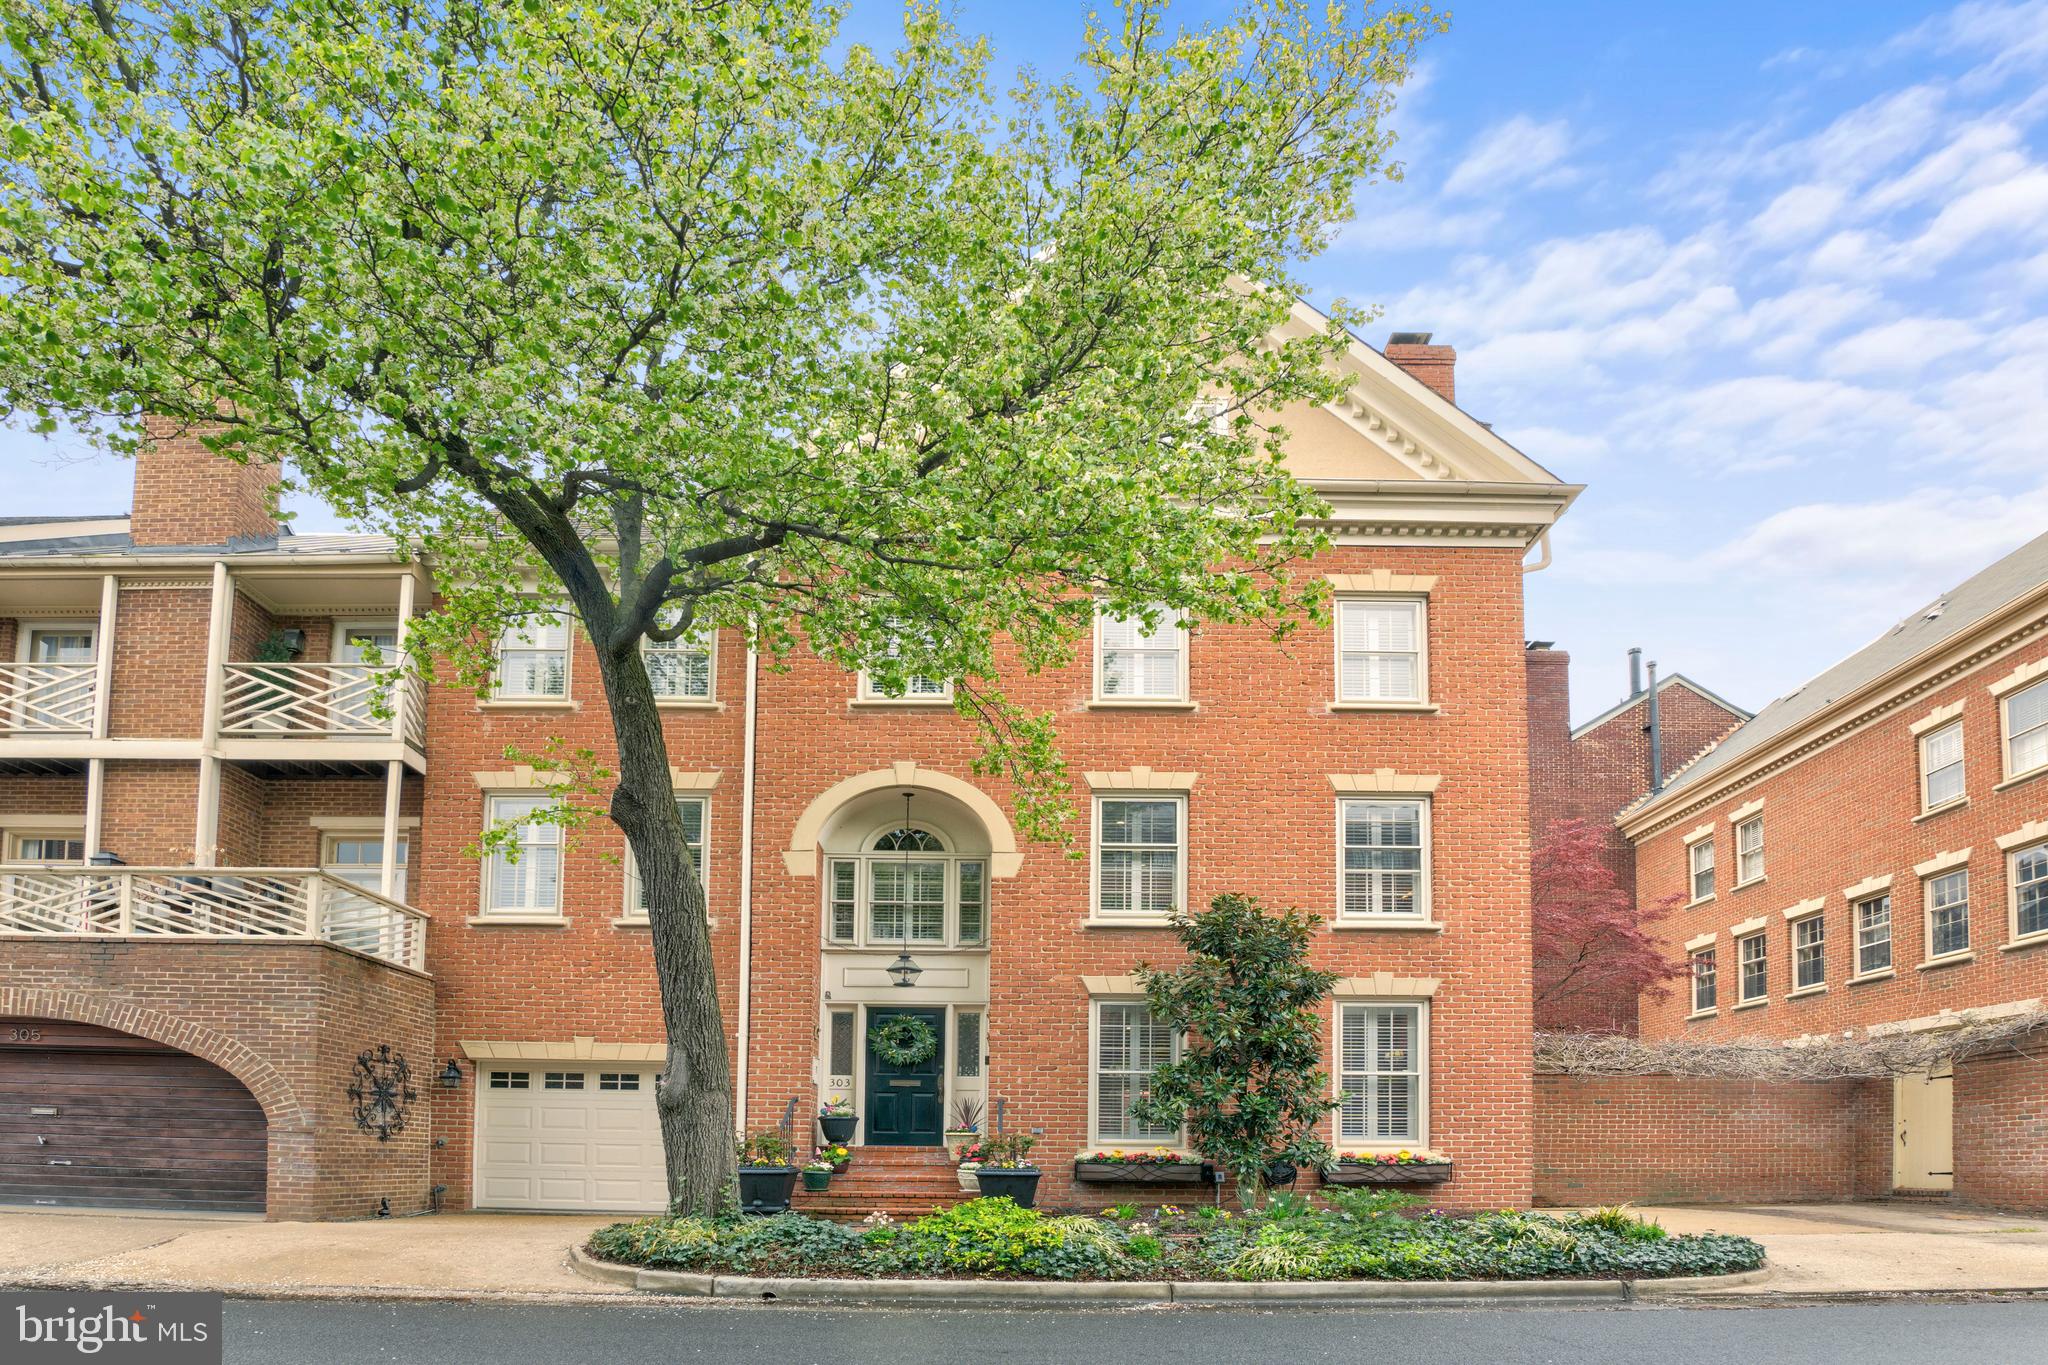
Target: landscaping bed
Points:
(1364, 1234)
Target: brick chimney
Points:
(1433, 365)
(187, 495)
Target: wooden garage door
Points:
(91, 1118)
(568, 1138)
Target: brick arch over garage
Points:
(281, 1107)
(801, 857)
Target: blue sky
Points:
(1770, 279)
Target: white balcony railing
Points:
(48, 699)
(319, 701)
(209, 903)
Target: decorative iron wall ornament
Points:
(381, 1087)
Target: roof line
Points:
(1668, 680)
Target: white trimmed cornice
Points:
(1811, 906)
(2020, 677)
(692, 782)
(1113, 985)
(1938, 716)
(1695, 835)
(1385, 782)
(1744, 811)
(1385, 985)
(2032, 832)
(1869, 886)
(1942, 862)
(1748, 926)
(522, 778)
(1142, 779)
(1699, 941)
(1382, 581)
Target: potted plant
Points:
(965, 1125)
(1388, 1168)
(1006, 1169)
(766, 1173)
(969, 1155)
(837, 1154)
(837, 1119)
(817, 1173)
(1154, 1166)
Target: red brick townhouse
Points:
(297, 903)
(1869, 855)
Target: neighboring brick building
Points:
(1870, 854)
(836, 830)
(1594, 771)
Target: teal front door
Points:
(906, 1103)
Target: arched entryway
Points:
(94, 1118)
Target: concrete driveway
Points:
(1814, 1249)
(456, 1253)
(1892, 1246)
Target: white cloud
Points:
(1900, 349)
(1517, 152)
(1798, 214)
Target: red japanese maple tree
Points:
(1595, 952)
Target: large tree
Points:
(1596, 951)
(698, 316)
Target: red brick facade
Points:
(187, 495)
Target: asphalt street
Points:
(316, 1332)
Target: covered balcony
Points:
(215, 903)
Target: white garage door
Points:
(571, 1139)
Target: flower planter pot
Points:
(838, 1127)
(969, 1178)
(1387, 1173)
(1141, 1172)
(956, 1138)
(1017, 1182)
(840, 1165)
(766, 1189)
(817, 1181)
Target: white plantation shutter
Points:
(1139, 663)
(533, 884)
(1129, 1047)
(1139, 851)
(1381, 1063)
(679, 669)
(973, 902)
(1379, 650)
(845, 879)
(1941, 759)
(2026, 724)
(1384, 872)
(692, 810)
(533, 657)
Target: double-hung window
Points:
(679, 669)
(1703, 981)
(1380, 655)
(696, 814)
(1700, 857)
(1134, 663)
(2026, 730)
(1941, 766)
(527, 878)
(1140, 853)
(1948, 913)
(1809, 952)
(1129, 1046)
(1749, 851)
(907, 886)
(1873, 917)
(2029, 877)
(1385, 859)
(533, 658)
(909, 687)
(1382, 1062)
(1752, 955)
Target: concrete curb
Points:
(982, 1293)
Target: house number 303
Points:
(25, 1035)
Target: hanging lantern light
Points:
(904, 970)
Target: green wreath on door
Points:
(903, 1040)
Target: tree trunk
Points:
(694, 1096)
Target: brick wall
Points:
(159, 685)
(1261, 819)
(187, 495)
(1678, 1140)
(287, 1020)
(2001, 1128)
(149, 812)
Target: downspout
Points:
(1656, 729)
(746, 893)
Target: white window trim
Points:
(1180, 698)
(866, 695)
(1693, 869)
(44, 829)
(1421, 700)
(26, 627)
(1420, 1142)
(631, 916)
(1096, 1138)
(1755, 817)
(1929, 958)
(1096, 915)
(1742, 996)
(2024, 684)
(709, 701)
(1865, 895)
(538, 701)
(1693, 954)
(1794, 918)
(1425, 904)
(329, 837)
(2013, 937)
(1963, 761)
(484, 912)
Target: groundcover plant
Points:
(1348, 1234)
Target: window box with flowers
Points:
(1147, 1166)
(1388, 1168)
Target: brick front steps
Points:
(903, 1182)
